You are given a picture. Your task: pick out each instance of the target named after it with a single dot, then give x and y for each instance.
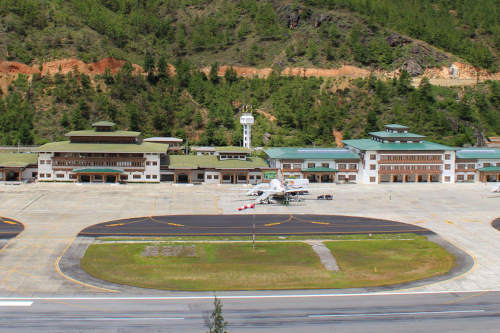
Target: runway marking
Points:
(102, 319)
(395, 313)
(16, 303)
(162, 298)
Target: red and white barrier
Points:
(246, 207)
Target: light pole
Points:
(253, 229)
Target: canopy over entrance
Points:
(97, 175)
(320, 174)
(489, 174)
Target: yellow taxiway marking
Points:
(153, 208)
(18, 271)
(324, 223)
(449, 222)
(56, 264)
(216, 205)
(464, 298)
(271, 224)
(419, 222)
(176, 225)
(9, 222)
(114, 225)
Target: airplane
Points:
(278, 191)
(496, 188)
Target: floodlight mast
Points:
(247, 121)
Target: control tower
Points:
(247, 121)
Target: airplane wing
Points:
(258, 188)
(264, 196)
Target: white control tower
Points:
(247, 121)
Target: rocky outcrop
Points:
(395, 40)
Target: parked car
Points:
(325, 197)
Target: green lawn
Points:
(273, 265)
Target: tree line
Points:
(289, 110)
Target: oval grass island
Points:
(194, 264)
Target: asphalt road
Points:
(496, 224)
(265, 224)
(9, 228)
(278, 312)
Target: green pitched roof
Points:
(383, 134)
(96, 133)
(66, 146)
(396, 126)
(232, 149)
(319, 169)
(103, 124)
(490, 169)
(211, 161)
(97, 171)
(369, 144)
(17, 160)
(311, 153)
(478, 153)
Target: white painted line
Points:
(395, 313)
(133, 318)
(16, 303)
(249, 296)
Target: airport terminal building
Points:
(107, 155)
(101, 155)
(321, 165)
(395, 155)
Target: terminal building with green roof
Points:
(322, 165)
(101, 155)
(219, 165)
(107, 155)
(16, 167)
(477, 164)
(395, 155)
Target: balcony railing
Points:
(407, 172)
(292, 170)
(65, 163)
(410, 161)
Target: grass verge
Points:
(273, 265)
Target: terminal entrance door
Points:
(85, 178)
(110, 179)
(12, 176)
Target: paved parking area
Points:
(54, 213)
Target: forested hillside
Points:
(377, 35)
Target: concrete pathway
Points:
(325, 255)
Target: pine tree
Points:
(218, 325)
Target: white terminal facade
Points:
(107, 155)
